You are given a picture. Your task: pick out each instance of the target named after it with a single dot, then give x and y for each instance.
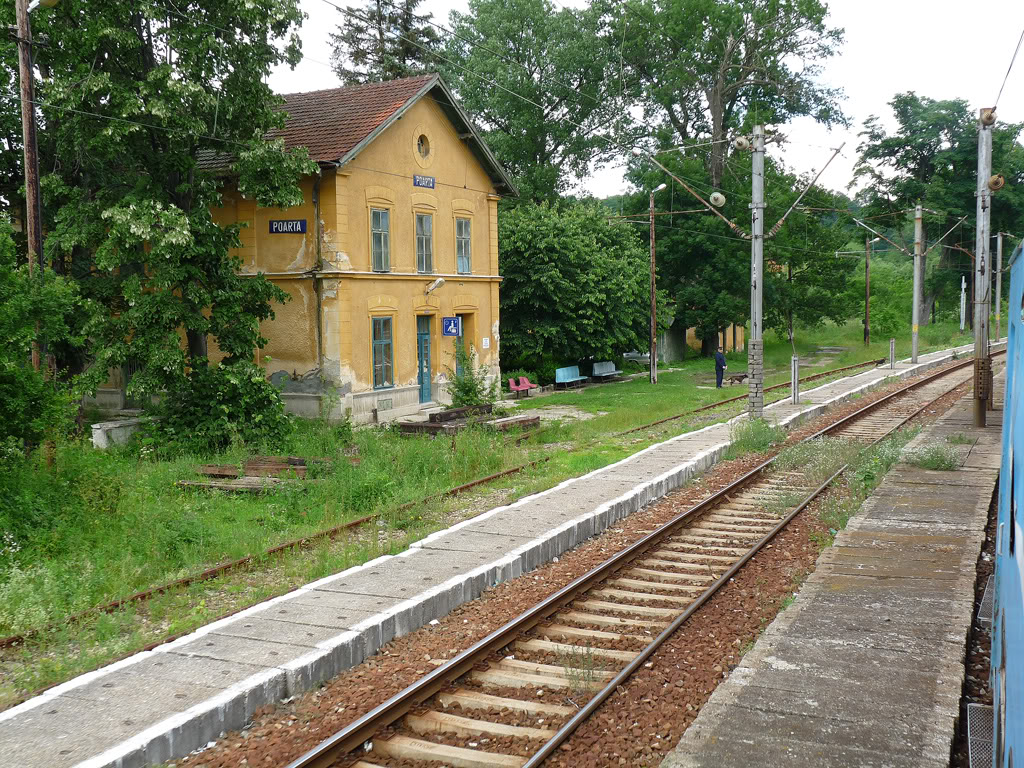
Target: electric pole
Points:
(654, 341)
(999, 286)
(867, 291)
(33, 220)
(918, 251)
(982, 364)
(755, 348)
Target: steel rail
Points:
(365, 727)
(601, 696)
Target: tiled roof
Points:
(334, 124)
(330, 123)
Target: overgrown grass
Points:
(103, 525)
(817, 460)
(850, 338)
(937, 456)
(753, 436)
(866, 472)
(959, 438)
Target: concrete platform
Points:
(865, 668)
(168, 702)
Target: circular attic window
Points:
(423, 145)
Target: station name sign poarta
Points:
(287, 226)
(423, 181)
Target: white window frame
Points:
(464, 245)
(387, 352)
(424, 243)
(384, 232)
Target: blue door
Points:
(460, 344)
(423, 356)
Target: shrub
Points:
(886, 321)
(469, 386)
(216, 405)
(753, 436)
(30, 406)
(938, 456)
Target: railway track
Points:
(514, 697)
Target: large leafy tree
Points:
(148, 111)
(931, 158)
(576, 285)
(11, 175)
(383, 40)
(707, 67)
(542, 82)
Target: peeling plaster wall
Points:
(350, 294)
(381, 176)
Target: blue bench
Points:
(569, 377)
(606, 369)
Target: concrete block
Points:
(330, 659)
(60, 733)
(241, 649)
(286, 632)
(194, 670)
(108, 433)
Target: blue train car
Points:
(1007, 669)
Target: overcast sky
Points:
(942, 49)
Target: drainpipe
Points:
(318, 283)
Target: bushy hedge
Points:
(214, 406)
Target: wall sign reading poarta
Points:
(287, 226)
(423, 181)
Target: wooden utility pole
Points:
(867, 291)
(918, 252)
(33, 219)
(982, 364)
(654, 342)
(755, 348)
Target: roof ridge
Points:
(364, 86)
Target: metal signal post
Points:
(982, 363)
(755, 347)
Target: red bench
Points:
(524, 385)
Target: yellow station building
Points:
(393, 252)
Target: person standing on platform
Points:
(720, 367)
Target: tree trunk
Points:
(707, 347)
(196, 344)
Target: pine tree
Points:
(383, 40)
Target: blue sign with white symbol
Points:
(423, 181)
(287, 226)
(451, 326)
